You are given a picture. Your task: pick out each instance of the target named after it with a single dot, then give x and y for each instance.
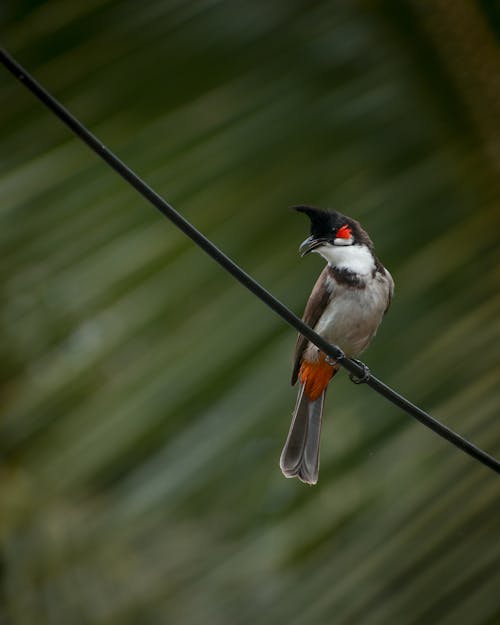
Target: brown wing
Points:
(315, 306)
(391, 291)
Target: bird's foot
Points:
(360, 379)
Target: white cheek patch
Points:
(355, 258)
(339, 241)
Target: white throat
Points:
(355, 258)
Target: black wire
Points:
(356, 368)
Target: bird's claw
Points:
(364, 377)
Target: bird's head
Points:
(334, 235)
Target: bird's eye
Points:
(344, 232)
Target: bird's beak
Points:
(310, 244)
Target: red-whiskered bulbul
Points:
(346, 306)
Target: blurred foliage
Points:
(145, 395)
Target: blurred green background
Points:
(145, 394)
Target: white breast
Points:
(353, 315)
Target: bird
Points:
(346, 306)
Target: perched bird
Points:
(346, 306)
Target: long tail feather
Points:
(300, 455)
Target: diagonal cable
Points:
(358, 370)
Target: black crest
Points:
(325, 223)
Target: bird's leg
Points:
(364, 377)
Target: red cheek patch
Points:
(344, 232)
